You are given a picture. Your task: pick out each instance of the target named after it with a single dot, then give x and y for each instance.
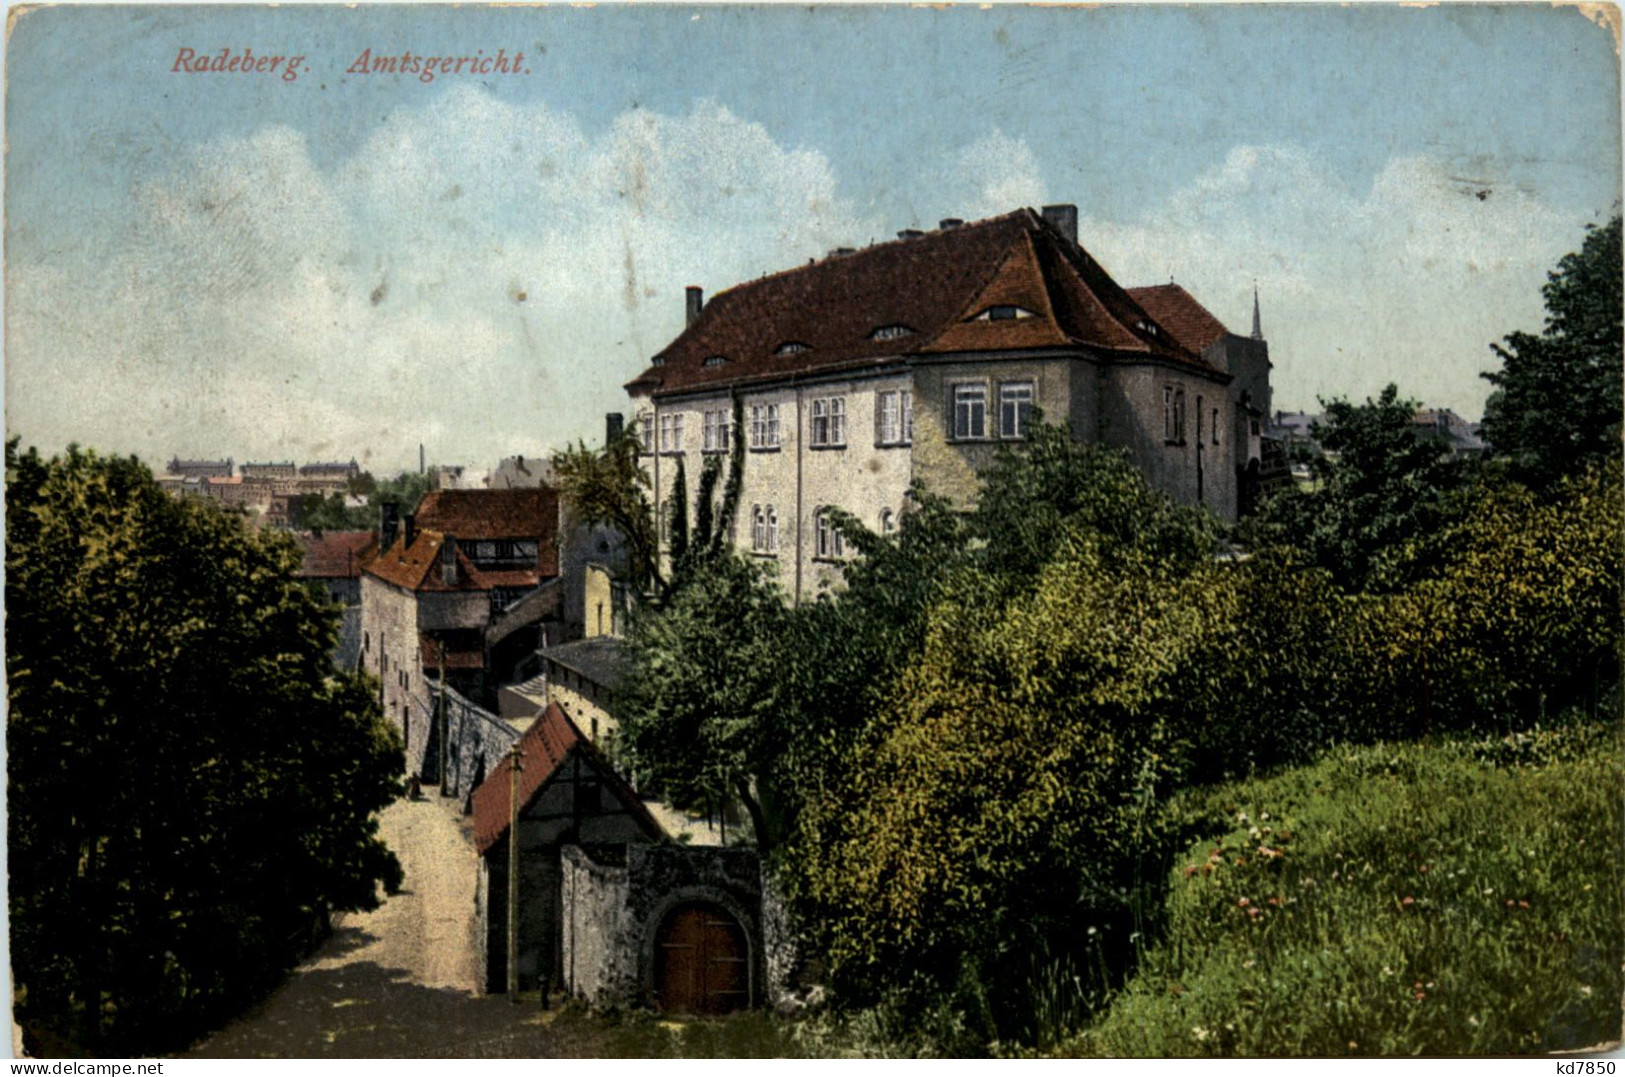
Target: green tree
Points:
(696, 705)
(1381, 490)
(1557, 399)
(192, 787)
(610, 487)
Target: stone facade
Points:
(976, 327)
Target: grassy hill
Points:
(1413, 899)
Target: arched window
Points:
(772, 530)
(758, 529)
(888, 522)
(829, 543)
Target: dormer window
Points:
(1004, 313)
(715, 360)
(659, 360)
(891, 332)
(1148, 327)
(790, 347)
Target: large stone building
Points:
(918, 358)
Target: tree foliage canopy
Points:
(1380, 487)
(192, 786)
(1557, 398)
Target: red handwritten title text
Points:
(426, 68)
(230, 61)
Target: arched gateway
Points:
(702, 961)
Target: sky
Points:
(350, 264)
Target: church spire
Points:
(1258, 329)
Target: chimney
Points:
(910, 233)
(411, 530)
(389, 517)
(696, 302)
(839, 251)
(614, 423)
(448, 561)
(950, 222)
(1064, 219)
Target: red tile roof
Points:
(417, 567)
(543, 749)
(1177, 311)
(935, 286)
(526, 513)
(336, 555)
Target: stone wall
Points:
(600, 943)
(476, 741)
(612, 916)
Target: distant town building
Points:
(331, 470)
(514, 472)
(1448, 428)
(198, 469)
(283, 470)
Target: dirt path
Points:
(401, 980)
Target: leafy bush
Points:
(191, 784)
(1391, 899)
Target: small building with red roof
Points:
(567, 794)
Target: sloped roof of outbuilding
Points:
(543, 749)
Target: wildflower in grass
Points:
(1523, 904)
(1190, 869)
(1423, 868)
(1585, 990)
(1244, 902)
(1408, 900)
(1267, 853)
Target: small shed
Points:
(567, 794)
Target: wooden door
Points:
(701, 962)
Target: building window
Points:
(671, 433)
(790, 347)
(1214, 426)
(646, 436)
(1173, 415)
(1015, 408)
(764, 426)
(970, 411)
(715, 360)
(829, 422)
(1004, 314)
(891, 332)
(718, 431)
(829, 544)
(764, 531)
(894, 417)
(888, 522)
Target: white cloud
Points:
(994, 175)
(477, 275)
(1406, 281)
